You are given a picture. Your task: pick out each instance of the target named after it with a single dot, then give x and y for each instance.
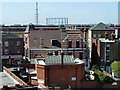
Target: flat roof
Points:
(6, 79)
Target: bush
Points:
(94, 67)
(104, 78)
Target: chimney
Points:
(106, 35)
(113, 36)
(62, 54)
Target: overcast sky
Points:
(77, 12)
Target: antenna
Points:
(36, 13)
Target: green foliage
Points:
(116, 67)
(104, 78)
(94, 67)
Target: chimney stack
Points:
(62, 54)
(106, 35)
(113, 36)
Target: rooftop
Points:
(56, 60)
(101, 26)
(6, 79)
(106, 40)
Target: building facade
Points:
(12, 49)
(100, 30)
(60, 71)
(52, 41)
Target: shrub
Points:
(104, 78)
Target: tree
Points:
(116, 68)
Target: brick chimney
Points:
(112, 35)
(106, 35)
(62, 55)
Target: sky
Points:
(77, 12)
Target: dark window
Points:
(107, 57)
(12, 52)
(26, 52)
(11, 43)
(70, 44)
(50, 53)
(77, 44)
(56, 52)
(69, 53)
(54, 42)
(26, 40)
(80, 55)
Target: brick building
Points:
(12, 49)
(60, 71)
(104, 52)
(100, 30)
(104, 46)
(41, 41)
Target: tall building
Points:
(104, 46)
(96, 32)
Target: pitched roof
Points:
(67, 59)
(101, 26)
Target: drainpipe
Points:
(62, 54)
(76, 78)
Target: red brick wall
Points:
(56, 75)
(90, 84)
(41, 72)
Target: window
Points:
(6, 43)
(69, 53)
(50, 53)
(56, 52)
(35, 39)
(12, 51)
(108, 47)
(18, 51)
(108, 68)
(101, 58)
(94, 35)
(77, 44)
(20, 35)
(11, 43)
(27, 52)
(26, 40)
(80, 55)
(70, 44)
(99, 35)
(107, 58)
(54, 42)
(18, 43)
(6, 51)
